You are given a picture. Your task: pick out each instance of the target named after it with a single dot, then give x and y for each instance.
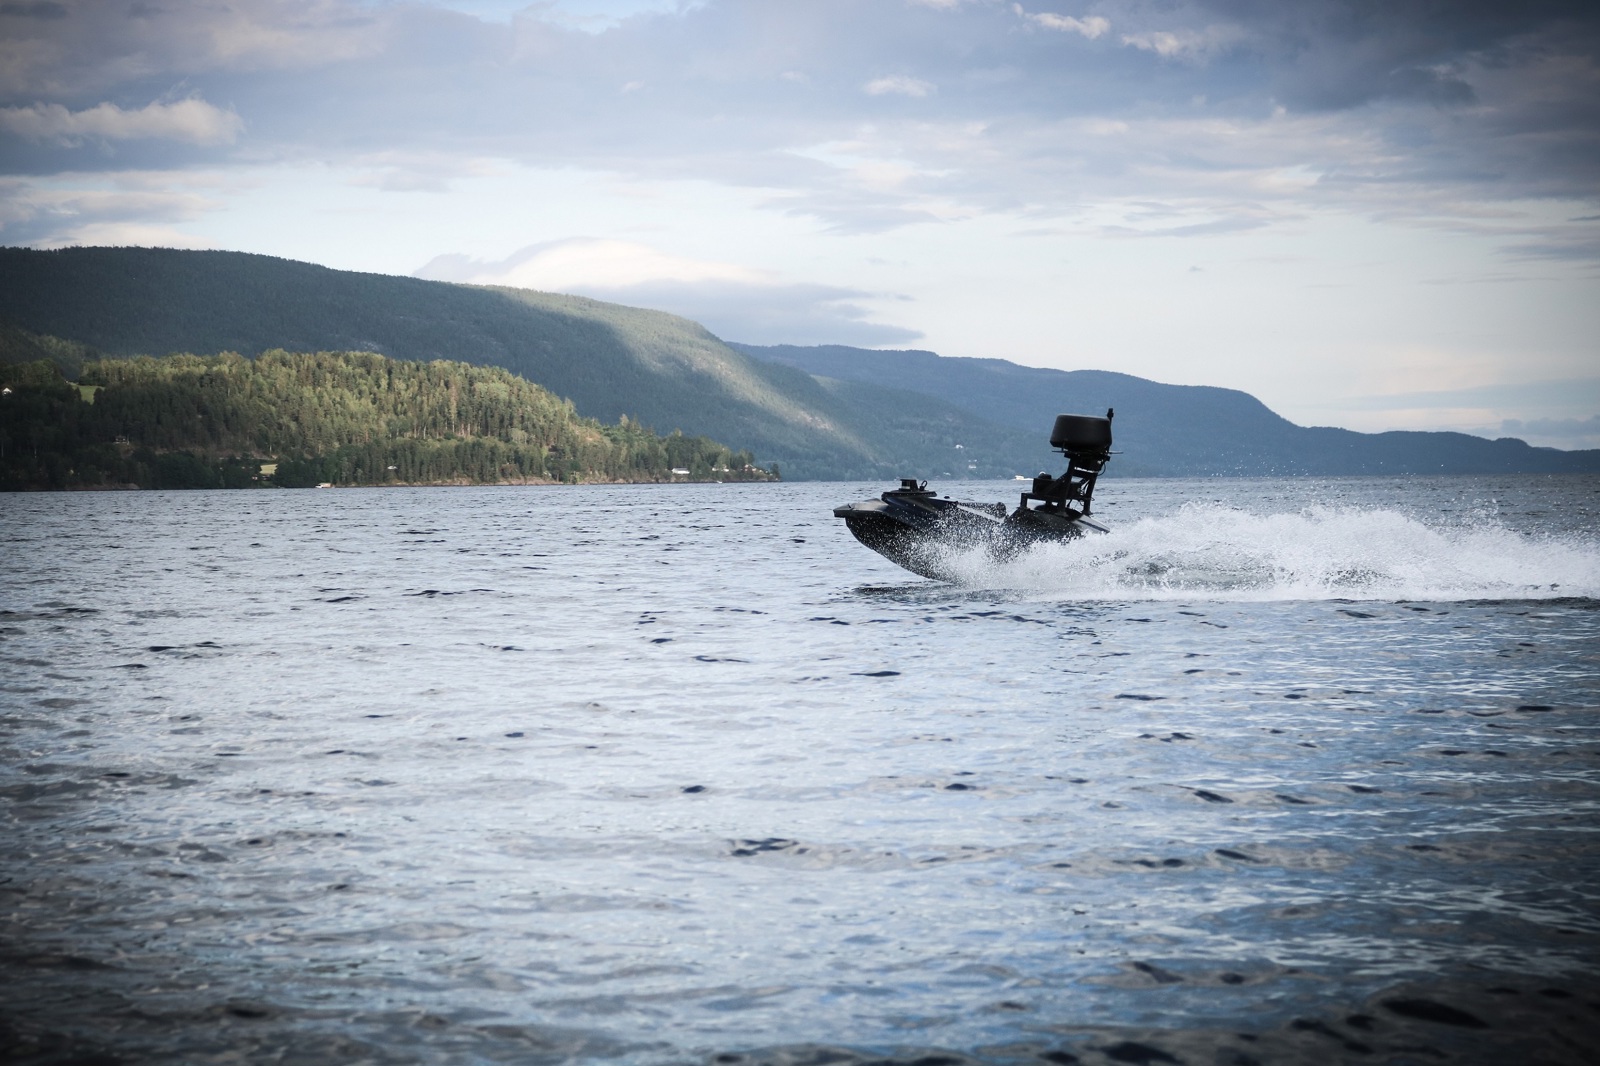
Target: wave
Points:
(1216, 552)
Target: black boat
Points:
(914, 527)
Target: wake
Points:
(1215, 552)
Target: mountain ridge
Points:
(1183, 430)
(608, 359)
(830, 412)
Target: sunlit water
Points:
(660, 773)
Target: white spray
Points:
(1213, 552)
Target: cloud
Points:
(96, 49)
(1091, 27)
(136, 211)
(129, 234)
(41, 9)
(1555, 432)
(418, 172)
(1186, 44)
(1398, 110)
(734, 302)
(897, 85)
(1557, 398)
(192, 121)
(1212, 227)
(1553, 413)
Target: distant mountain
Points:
(1171, 430)
(826, 412)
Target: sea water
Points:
(1278, 770)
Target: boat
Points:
(916, 528)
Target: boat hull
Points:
(925, 534)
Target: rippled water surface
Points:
(1286, 770)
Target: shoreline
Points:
(525, 483)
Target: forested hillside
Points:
(349, 418)
(608, 359)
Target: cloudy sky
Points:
(1370, 214)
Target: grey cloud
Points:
(1434, 86)
(30, 215)
(130, 53)
(1389, 103)
(1334, 54)
(1237, 224)
(192, 120)
(1547, 395)
(1554, 432)
(1552, 414)
(1572, 247)
(854, 211)
(43, 9)
(1562, 428)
